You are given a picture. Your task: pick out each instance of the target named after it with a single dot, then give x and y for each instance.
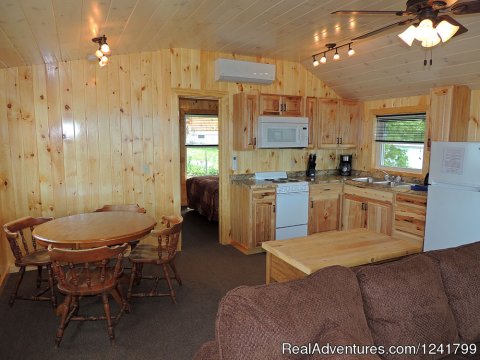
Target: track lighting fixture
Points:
(102, 51)
(336, 56)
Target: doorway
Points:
(199, 155)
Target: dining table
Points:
(89, 230)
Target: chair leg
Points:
(174, 269)
(139, 273)
(132, 280)
(39, 276)
(51, 284)
(106, 308)
(63, 321)
(169, 281)
(21, 272)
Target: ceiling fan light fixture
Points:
(425, 30)
(431, 42)
(446, 30)
(408, 35)
(99, 53)
(105, 48)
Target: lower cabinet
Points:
(410, 213)
(324, 207)
(367, 208)
(253, 217)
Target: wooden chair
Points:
(122, 207)
(26, 253)
(88, 273)
(162, 254)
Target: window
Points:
(399, 141)
(201, 142)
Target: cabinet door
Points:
(354, 215)
(245, 114)
(270, 104)
(327, 115)
(311, 113)
(348, 114)
(292, 106)
(263, 216)
(324, 214)
(379, 218)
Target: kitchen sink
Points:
(366, 179)
(381, 182)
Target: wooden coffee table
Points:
(298, 257)
(94, 229)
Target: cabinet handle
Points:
(366, 206)
(338, 140)
(273, 207)
(363, 206)
(254, 141)
(311, 204)
(341, 140)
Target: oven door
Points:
(292, 209)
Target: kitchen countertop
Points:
(328, 179)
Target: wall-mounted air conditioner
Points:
(244, 71)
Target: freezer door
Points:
(455, 163)
(453, 217)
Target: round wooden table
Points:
(94, 229)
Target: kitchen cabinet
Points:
(449, 114)
(338, 123)
(324, 207)
(409, 216)
(285, 105)
(367, 208)
(245, 115)
(253, 217)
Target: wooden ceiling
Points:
(48, 31)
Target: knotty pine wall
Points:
(76, 136)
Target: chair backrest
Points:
(21, 243)
(122, 207)
(81, 262)
(168, 236)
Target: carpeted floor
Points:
(156, 328)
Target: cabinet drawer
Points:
(410, 199)
(379, 195)
(263, 194)
(320, 190)
(409, 224)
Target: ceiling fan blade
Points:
(373, 12)
(452, 21)
(440, 5)
(466, 7)
(385, 28)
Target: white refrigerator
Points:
(453, 203)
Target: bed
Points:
(202, 195)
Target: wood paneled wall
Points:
(75, 136)
(474, 123)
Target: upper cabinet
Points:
(338, 122)
(449, 113)
(245, 115)
(281, 105)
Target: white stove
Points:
(292, 204)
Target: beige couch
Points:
(422, 300)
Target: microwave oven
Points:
(282, 132)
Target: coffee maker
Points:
(345, 165)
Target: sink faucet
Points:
(387, 175)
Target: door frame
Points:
(224, 151)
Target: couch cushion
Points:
(460, 269)
(405, 303)
(254, 322)
(208, 351)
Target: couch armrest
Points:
(208, 351)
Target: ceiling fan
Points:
(434, 25)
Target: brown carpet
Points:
(156, 328)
